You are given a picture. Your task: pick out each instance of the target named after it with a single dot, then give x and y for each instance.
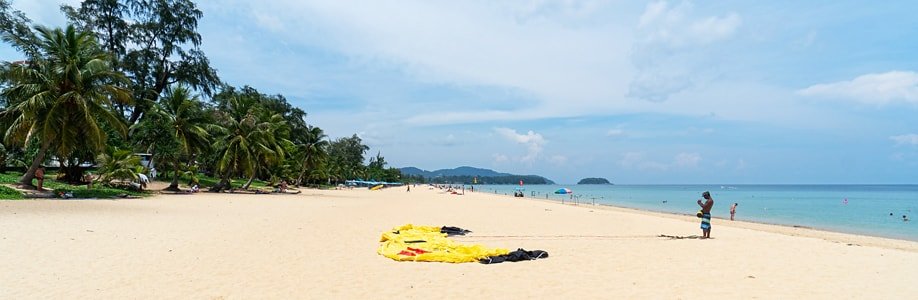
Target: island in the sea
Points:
(593, 180)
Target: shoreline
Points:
(787, 228)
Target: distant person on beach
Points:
(733, 210)
(88, 179)
(143, 180)
(40, 175)
(706, 214)
(409, 187)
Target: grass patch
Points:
(79, 191)
(82, 192)
(9, 177)
(7, 193)
(207, 181)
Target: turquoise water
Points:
(867, 210)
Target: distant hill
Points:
(460, 171)
(467, 174)
(593, 180)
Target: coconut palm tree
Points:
(268, 142)
(313, 150)
(240, 133)
(120, 164)
(181, 113)
(62, 95)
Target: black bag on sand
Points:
(518, 255)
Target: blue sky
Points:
(637, 92)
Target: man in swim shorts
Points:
(706, 214)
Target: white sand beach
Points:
(322, 245)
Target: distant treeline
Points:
(465, 179)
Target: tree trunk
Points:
(248, 183)
(26, 180)
(223, 185)
(303, 172)
(146, 169)
(71, 171)
(174, 185)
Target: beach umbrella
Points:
(563, 191)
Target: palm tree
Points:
(268, 142)
(312, 149)
(240, 133)
(119, 164)
(181, 113)
(62, 95)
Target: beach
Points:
(321, 244)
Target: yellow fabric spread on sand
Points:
(426, 243)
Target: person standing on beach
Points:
(40, 175)
(733, 210)
(706, 214)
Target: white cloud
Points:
(687, 159)
(270, 22)
(675, 27)
(532, 140)
(905, 139)
(874, 88)
(499, 158)
(615, 132)
(45, 12)
(715, 28)
(449, 140)
(668, 58)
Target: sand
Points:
(322, 245)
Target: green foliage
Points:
(119, 164)
(139, 63)
(79, 191)
(62, 95)
(155, 43)
(7, 193)
(346, 158)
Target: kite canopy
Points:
(563, 191)
(427, 243)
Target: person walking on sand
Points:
(706, 214)
(733, 210)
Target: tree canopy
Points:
(129, 76)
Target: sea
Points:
(875, 210)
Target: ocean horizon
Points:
(865, 209)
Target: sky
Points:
(638, 92)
